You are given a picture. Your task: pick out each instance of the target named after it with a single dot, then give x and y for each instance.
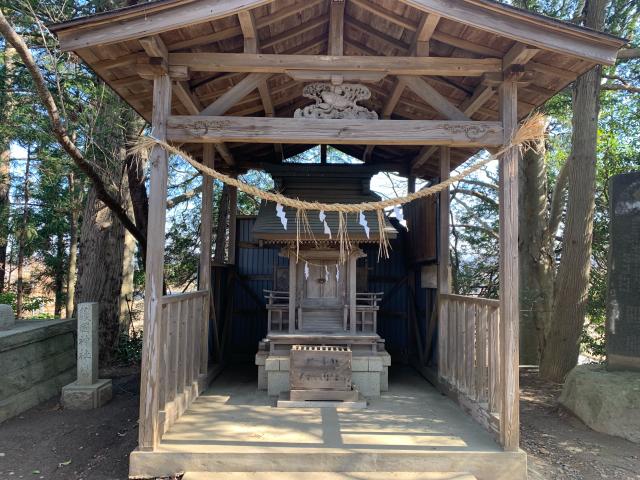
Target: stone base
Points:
(370, 374)
(86, 397)
(284, 401)
(608, 402)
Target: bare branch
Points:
(479, 183)
(60, 131)
(475, 193)
(479, 227)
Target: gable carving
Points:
(336, 102)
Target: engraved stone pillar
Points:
(623, 309)
(88, 391)
(7, 319)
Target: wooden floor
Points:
(233, 427)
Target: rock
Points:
(606, 401)
(7, 318)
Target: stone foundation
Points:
(370, 373)
(37, 359)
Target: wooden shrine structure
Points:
(224, 79)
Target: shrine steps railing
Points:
(183, 354)
(469, 355)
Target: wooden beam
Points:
(336, 27)
(386, 14)
(154, 47)
(430, 95)
(235, 94)
(249, 31)
(519, 54)
(294, 32)
(426, 28)
(269, 63)
(524, 27)
(199, 129)
(152, 23)
(150, 380)
(509, 276)
(324, 76)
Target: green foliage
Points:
(129, 348)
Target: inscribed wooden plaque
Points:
(320, 368)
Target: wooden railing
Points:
(277, 311)
(183, 353)
(367, 306)
(469, 355)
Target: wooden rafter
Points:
(336, 27)
(252, 45)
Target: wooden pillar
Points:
(411, 184)
(233, 212)
(149, 434)
(509, 275)
(353, 278)
(443, 259)
(292, 291)
(206, 224)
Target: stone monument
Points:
(7, 319)
(623, 303)
(88, 391)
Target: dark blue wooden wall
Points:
(257, 267)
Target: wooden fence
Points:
(469, 355)
(183, 353)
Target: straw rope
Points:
(529, 135)
(531, 131)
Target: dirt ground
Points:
(48, 442)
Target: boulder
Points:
(606, 401)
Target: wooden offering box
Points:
(321, 373)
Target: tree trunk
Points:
(5, 156)
(562, 345)
(73, 247)
(58, 280)
(536, 261)
(22, 239)
(100, 270)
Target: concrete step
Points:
(327, 476)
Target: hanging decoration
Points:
(306, 270)
(280, 213)
(363, 221)
(337, 273)
(397, 210)
(529, 135)
(326, 274)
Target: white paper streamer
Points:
(322, 216)
(282, 215)
(326, 274)
(337, 273)
(306, 270)
(398, 212)
(364, 223)
(327, 230)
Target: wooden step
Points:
(327, 476)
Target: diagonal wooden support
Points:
(252, 45)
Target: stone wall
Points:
(37, 358)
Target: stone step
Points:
(328, 476)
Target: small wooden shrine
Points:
(323, 303)
(249, 84)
